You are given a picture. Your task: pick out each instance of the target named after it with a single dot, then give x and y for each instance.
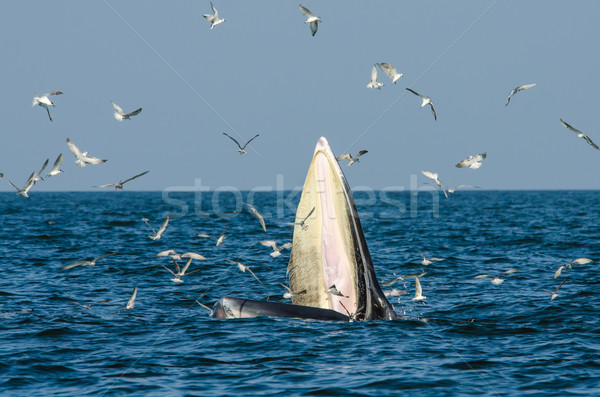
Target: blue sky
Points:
(262, 72)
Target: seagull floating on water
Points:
(426, 101)
(242, 149)
(44, 101)
(119, 186)
(496, 280)
(554, 294)
(213, 18)
(82, 158)
(276, 250)
(418, 291)
(391, 71)
(580, 134)
(156, 235)
(374, 83)
(91, 263)
(311, 18)
(434, 177)
(120, 115)
(257, 214)
(351, 160)
(473, 162)
(56, 167)
(243, 268)
(517, 89)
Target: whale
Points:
(329, 262)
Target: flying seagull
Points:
(289, 294)
(38, 175)
(119, 186)
(257, 214)
(434, 177)
(374, 83)
(395, 292)
(334, 291)
(219, 239)
(426, 101)
(242, 149)
(390, 71)
(580, 134)
(496, 280)
(243, 268)
(120, 115)
(91, 263)
(401, 278)
(44, 101)
(428, 261)
(418, 291)
(82, 158)
(88, 307)
(28, 185)
(157, 234)
(213, 18)
(56, 167)
(555, 293)
(351, 160)
(517, 89)
(311, 18)
(454, 189)
(472, 162)
(181, 271)
(276, 250)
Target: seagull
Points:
(44, 101)
(131, 301)
(390, 71)
(559, 271)
(213, 18)
(219, 239)
(451, 191)
(434, 177)
(82, 158)
(555, 293)
(428, 261)
(119, 186)
(28, 185)
(426, 101)
(302, 223)
(88, 307)
(395, 292)
(418, 291)
(242, 149)
(289, 294)
(157, 234)
(91, 263)
(56, 167)
(580, 134)
(171, 253)
(519, 88)
(472, 162)
(496, 280)
(334, 291)
(276, 250)
(351, 160)
(120, 114)
(181, 271)
(579, 261)
(374, 83)
(38, 175)
(311, 18)
(243, 268)
(257, 214)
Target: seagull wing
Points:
(374, 74)
(74, 149)
(559, 271)
(261, 219)
(269, 243)
(118, 109)
(107, 185)
(169, 270)
(314, 26)
(418, 288)
(72, 265)
(512, 92)
(309, 214)
(592, 144)
(133, 177)
(131, 301)
(524, 87)
(345, 156)
(569, 126)
(92, 160)
(104, 256)
(286, 246)
(162, 228)
(431, 175)
(561, 284)
(56, 165)
(508, 272)
(205, 236)
(149, 225)
(250, 140)
(216, 13)
(306, 12)
(233, 139)
(361, 153)
(252, 273)
(433, 111)
(464, 163)
(43, 167)
(388, 69)
(415, 92)
(135, 112)
(484, 276)
(53, 93)
(13, 185)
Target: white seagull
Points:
(120, 115)
(428, 261)
(580, 134)
(242, 149)
(434, 177)
(555, 293)
(426, 101)
(91, 263)
(257, 215)
(334, 291)
(119, 186)
(517, 89)
(56, 167)
(28, 185)
(219, 239)
(243, 268)
(82, 158)
(156, 235)
(38, 175)
(289, 294)
(213, 18)
(131, 302)
(496, 280)
(454, 189)
(418, 291)
(351, 160)
(181, 271)
(390, 71)
(472, 162)
(374, 83)
(276, 250)
(44, 101)
(311, 18)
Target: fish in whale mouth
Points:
(329, 250)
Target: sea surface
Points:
(469, 337)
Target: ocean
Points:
(64, 332)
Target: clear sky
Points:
(262, 72)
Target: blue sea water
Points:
(469, 337)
